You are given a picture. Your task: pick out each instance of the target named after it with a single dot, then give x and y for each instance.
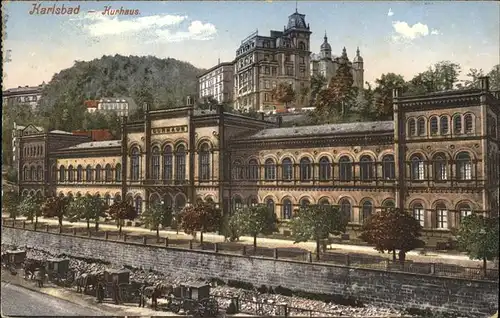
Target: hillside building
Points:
(326, 64)
(438, 159)
(122, 106)
(27, 95)
(217, 83)
(264, 61)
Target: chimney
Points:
(397, 92)
(189, 101)
(485, 83)
(145, 106)
(279, 120)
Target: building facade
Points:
(122, 106)
(326, 64)
(217, 83)
(264, 61)
(27, 95)
(438, 159)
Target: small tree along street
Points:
(10, 203)
(89, 207)
(121, 211)
(156, 215)
(31, 208)
(317, 222)
(56, 207)
(478, 237)
(392, 229)
(283, 93)
(201, 217)
(255, 220)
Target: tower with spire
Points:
(327, 64)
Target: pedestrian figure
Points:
(154, 296)
(115, 293)
(100, 292)
(41, 277)
(142, 298)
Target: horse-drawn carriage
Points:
(127, 291)
(13, 258)
(58, 271)
(194, 299)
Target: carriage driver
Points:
(100, 291)
(41, 276)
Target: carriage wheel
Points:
(124, 292)
(174, 307)
(213, 307)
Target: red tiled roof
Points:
(91, 103)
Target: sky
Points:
(400, 37)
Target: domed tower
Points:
(326, 49)
(358, 71)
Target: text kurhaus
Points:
(55, 9)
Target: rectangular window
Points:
(442, 219)
(418, 214)
(266, 84)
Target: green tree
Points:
(392, 229)
(283, 93)
(383, 94)
(10, 203)
(255, 220)
(121, 211)
(472, 80)
(317, 222)
(478, 237)
(89, 207)
(438, 77)
(494, 75)
(31, 208)
(200, 217)
(56, 207)
(156, 215)
(318, 82)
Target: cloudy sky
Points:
(400, 37)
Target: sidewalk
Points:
(278, 243)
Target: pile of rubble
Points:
(248, 299)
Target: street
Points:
(19, 301)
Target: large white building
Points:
(217, 83)
(122, 106)
(27, 95)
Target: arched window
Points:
(71, 174)
(167, 200)
(270, 205)
(33, 173)
(412, 127)
(107, 199)
(53, 176)
(237, 203)
(88, 173)
(134, 164)
(418, 213)
(468, 123)
(237, 170)
(118, 198)
(367, 210)
(40, 173)
(154, 199)
(388, 167)
(155, 163)
(325, 169)
(252, 201)
(167, 163)
(388, 204)
(26, 173)
(441, 216)
(345, 168)
(118, 172)
(287, 209)
(457, 124)
(366, 168)
(62, 174)
(269, 170)
(440, 171)
(421, 127)
(98, 173)
(253, 169)
(324, 201)
(180, 202)
(464, 210)
(79, 173)
(305, 169)
(417, 168)
(108, 174)
(287, 169)
(180, 163)
(304, 202)
(138, 205)
(444, 125)
(464, 166)
(434, 125)
(204, 163)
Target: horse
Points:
(30, 266)
(155, 292)
(88, 279)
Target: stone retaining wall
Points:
(377, 287)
